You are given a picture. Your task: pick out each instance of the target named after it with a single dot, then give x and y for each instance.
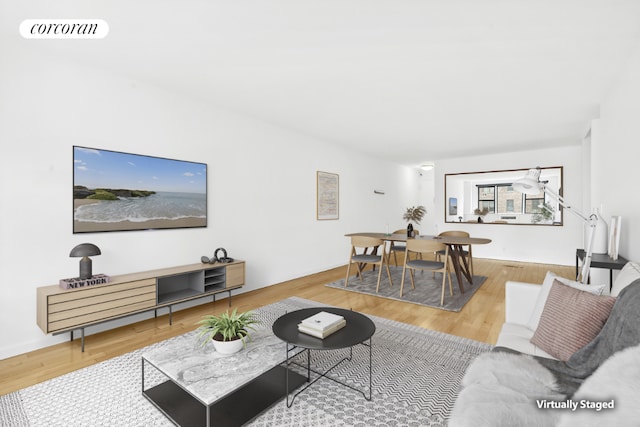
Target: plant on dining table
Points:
(414, 214)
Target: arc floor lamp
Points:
(531, 184)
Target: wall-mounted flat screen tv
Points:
(116, 191)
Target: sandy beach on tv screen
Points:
(87, 227)
(84, 227)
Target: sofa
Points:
(567, 354)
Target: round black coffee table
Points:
(358, 331)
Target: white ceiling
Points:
(408, 80)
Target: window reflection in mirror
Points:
(489, 197)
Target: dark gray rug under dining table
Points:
(427, 288)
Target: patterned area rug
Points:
(416, 375)
(427, 291)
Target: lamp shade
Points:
(85, 249)
(530, 184)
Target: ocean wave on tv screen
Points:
(162, 205)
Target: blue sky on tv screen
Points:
(95, 168)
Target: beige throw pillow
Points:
(570, 320)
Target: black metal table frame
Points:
(289, 361)
(602, 261)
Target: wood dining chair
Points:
(465, 252)
(426, 246)
(364, 243)
(396, 247)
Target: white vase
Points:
(601, 238)
(228, 347)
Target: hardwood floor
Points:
(480, 319)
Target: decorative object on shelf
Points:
(76, 282)
(531, 184)
(85, 250)
(414, 213)
(227, 331)
(322, 324)
(614, 236)
(215, 258)
(224, 258)
(601, 239)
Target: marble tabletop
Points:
(208, 375)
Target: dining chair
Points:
(426, 246)
(399, 247)
(364, 243)
(466, 253)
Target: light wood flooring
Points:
(480, 319)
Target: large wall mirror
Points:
(489, 197)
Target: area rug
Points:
(427, 292)
(416, 378)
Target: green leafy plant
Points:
(545, 214)
(226, 327)
(414, 214)
(481, 212)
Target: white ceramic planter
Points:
(228, 347)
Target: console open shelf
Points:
(214, 279)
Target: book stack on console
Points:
(322, 324)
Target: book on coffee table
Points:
(322, 320)
(321, 333)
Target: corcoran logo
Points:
(64, 28)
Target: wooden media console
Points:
(65, 310)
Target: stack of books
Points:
(322, 324)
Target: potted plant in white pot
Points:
(227, 331)
(415, 214)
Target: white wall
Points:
(530, 243)
(615, 161)
(262, 179)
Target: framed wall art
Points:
(453, 206)
(327, 195)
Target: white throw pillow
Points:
(544, 293)
(629, 273)
(617, 379)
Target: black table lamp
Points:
(85, 250)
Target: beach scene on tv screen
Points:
(115, 191)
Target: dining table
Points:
(456, 244)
